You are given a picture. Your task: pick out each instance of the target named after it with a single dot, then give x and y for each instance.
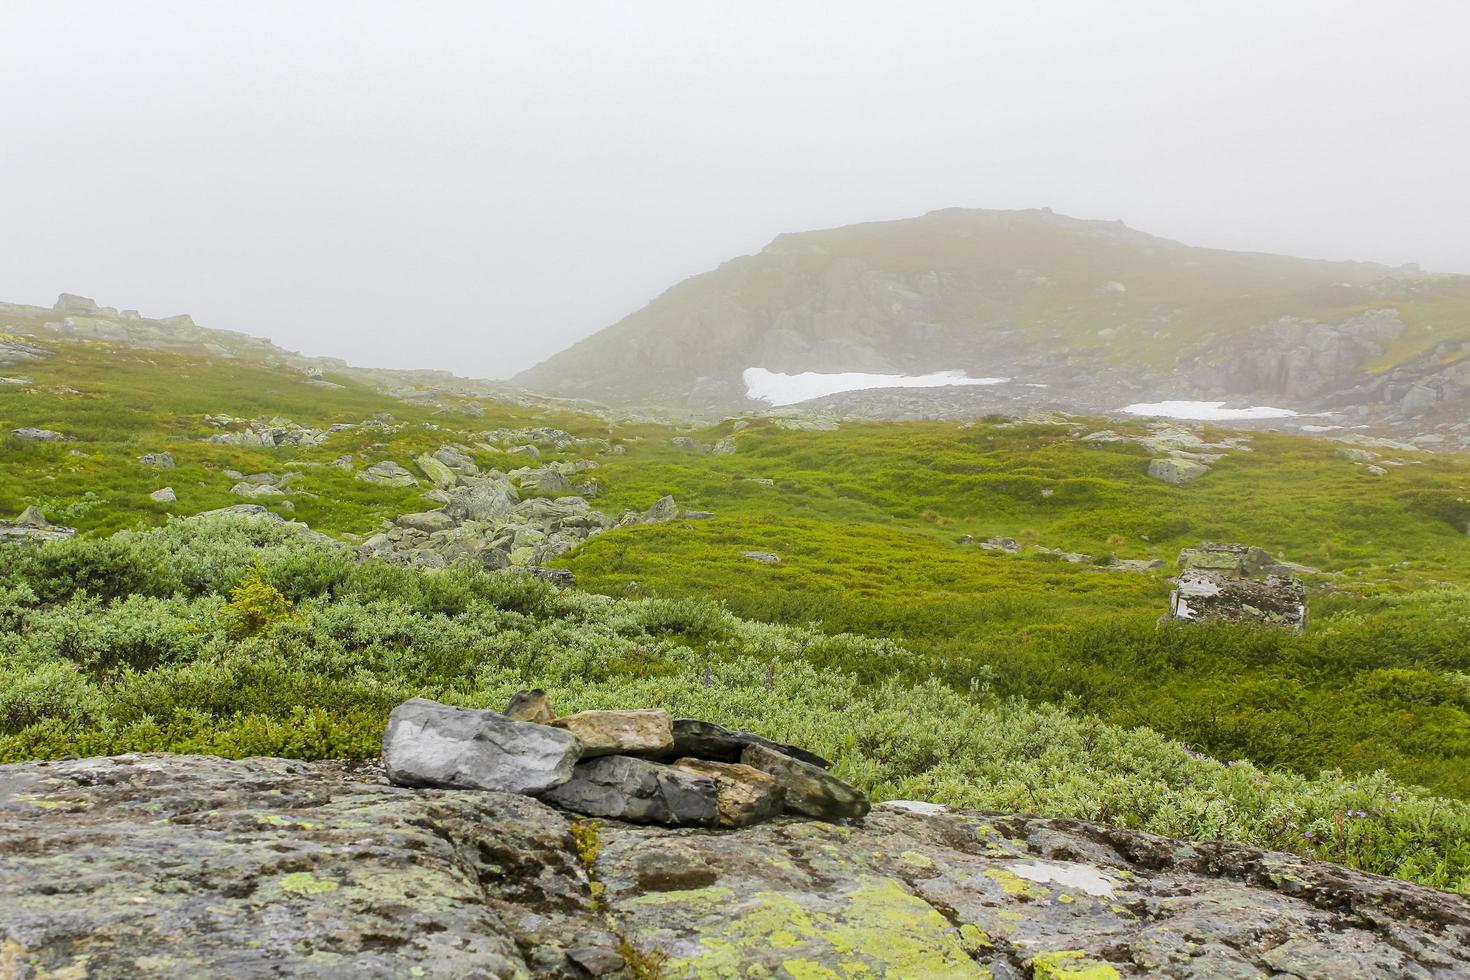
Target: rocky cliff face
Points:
(185, 866)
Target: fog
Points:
(473, 186)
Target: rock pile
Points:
(638, 766)
(263, 432)
(1180, 456)
(1237, 583)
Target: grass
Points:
(876, 598)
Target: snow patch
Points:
(1207, 411)
(788, 389)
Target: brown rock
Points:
(649, 730)
(745, 794)
(530, 706)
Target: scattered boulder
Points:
(725, 447)
(764, 557)
(1176, 470)
(744, 795)
(532, 706)
(810, 790)
(648, 731)
(427, 521)
(664, 509)
(389, 474)
(1008, 545)
(433, 744)
(251, 490)
(164, 461)
(72, 303)
(439, 474)
(30, 434)
(481, 500)
(164, 495)
(543, 481)
(639, 791)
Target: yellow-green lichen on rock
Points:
(877, 929)
(1070, 964)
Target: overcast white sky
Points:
(473, 186)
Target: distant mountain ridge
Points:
(1094, 310)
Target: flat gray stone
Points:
(433, 744)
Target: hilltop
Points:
(1098, 313)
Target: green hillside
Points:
(885, 634)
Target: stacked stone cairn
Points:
(640, 766)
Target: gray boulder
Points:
(72, 303)
(427, 521)
(480, 500)
(433, 744)
(664, 509)
(36, 435)
(164, 495)
(639, 791)
(164, 461)
(764, 557)
(1176, 471)
(389, 474)
(810, 790)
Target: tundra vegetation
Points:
(924, 665)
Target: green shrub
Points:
(255, 605)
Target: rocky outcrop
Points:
(1239, 584)
(167, 866)
(266, 433)
(32, 527)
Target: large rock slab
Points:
(193, 866)
(810, 790)
(639, 791)
(647, 731)
(433, 744)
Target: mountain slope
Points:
(1093, 308)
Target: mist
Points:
(475, 186)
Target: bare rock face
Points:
(167, 866)
(432, 744)
(645, 731)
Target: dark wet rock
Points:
(706, 740)
(433, 744)
(167, 866)
(744, 795)
(647, 731)
(638, 791)
(532, 706)
(810, 790)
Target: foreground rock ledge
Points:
(193, 866)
